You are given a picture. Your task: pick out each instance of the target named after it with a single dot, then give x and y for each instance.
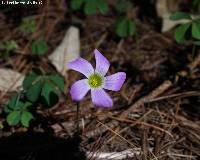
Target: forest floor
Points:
(155, 115)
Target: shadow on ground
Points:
(40, 146)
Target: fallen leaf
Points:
(10, 80)
(164, 9)
(68, 50)
(166, 6)
(169, 24)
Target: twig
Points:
(101, 130)
(184, 94)
(145, 124)
(155, 93)
(129, 153)
(195, 63)
(116, 134)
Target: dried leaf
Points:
(166, 6)
(169, 24)
(10, 80)
(68, 50)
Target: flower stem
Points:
(193, 51)
(77, 116)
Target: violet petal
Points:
(81, 65)
(115, 81)
(79, 89)
(102, 64)
(101, 99)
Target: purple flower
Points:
(96, 80)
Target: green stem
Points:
(193, 51)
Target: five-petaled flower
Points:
(96, 80)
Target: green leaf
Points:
(103, 6)
(19, 106)
(122, 27)
(13, 104)
(2, 45)
(28, 25)
(57, 81)
(29, 79)
(197, 43)
(8, 46)
(123, 6)
(32, 84)
(90, 7)
(11, 45)
(181, 31)
(13, 118)
(131, 28)
(1, 126)
(125, 27)
(196, 30)
(26, 118)
(196, 4)
(47, 89)
(179, 16)
(34, 91)
(27, 105)
(76, 4)
(39, 47)
(6, 109)
(13, 101)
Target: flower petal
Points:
(114, 82)
(79, 89)
(81, 65)
(102, 64)
(101, 99)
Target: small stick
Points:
(195, 63)
(155, 93)
(100, 130)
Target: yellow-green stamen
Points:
(95, 81)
